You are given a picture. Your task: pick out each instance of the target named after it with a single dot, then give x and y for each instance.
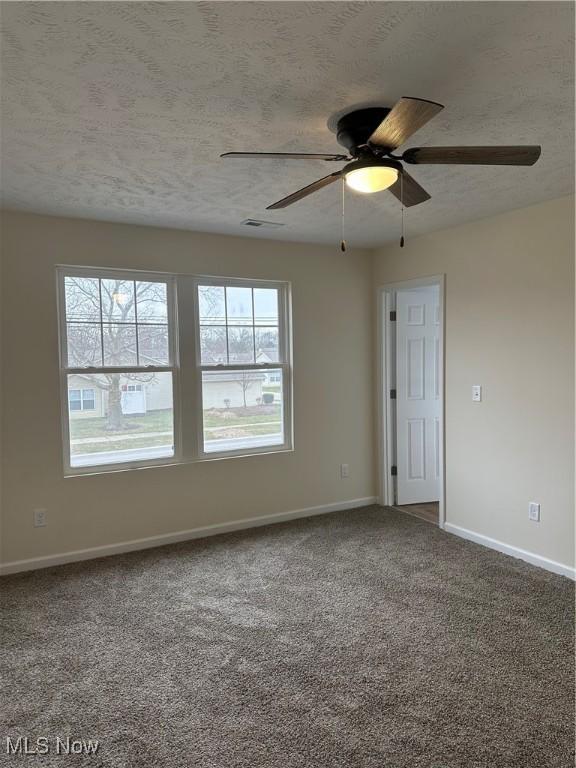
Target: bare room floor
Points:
(358, 639)
(428, 511)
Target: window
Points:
(133, 400)
(243, 366)
(117, 341)
(81, 400)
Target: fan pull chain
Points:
(343, 241)
(402, 205)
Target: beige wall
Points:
(332, 389)
(510, 328)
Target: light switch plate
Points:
(476, 393)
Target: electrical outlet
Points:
(344, 470)
(534, 511)
(40, 518)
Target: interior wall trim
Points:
(508, 549)
(47, 561)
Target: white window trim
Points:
(186, 368)
(65, 370)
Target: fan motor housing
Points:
(372, 163)
(354, 129)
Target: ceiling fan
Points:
(372, 135)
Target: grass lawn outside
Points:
(244, 430)
(153, 421)
(156, 428)
(257, 414)
(162, 421)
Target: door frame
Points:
(385, 301)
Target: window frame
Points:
(284, 364)
(122, 274)
(186, 367)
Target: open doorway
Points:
(411, 386)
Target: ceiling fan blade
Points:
(526, 155)
(284, 156)
(408, 191)
(305, 191)
(404, 119)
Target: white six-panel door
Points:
(418, 396)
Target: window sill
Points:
(106, 469)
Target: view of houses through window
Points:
(242, 407)
(123, 424)
(118, 415)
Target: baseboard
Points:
(508, 549)
(32, 564)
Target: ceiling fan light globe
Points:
(372, 178)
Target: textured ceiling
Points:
(118, 111)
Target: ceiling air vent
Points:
(260, 223)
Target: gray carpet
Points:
(360, 639)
